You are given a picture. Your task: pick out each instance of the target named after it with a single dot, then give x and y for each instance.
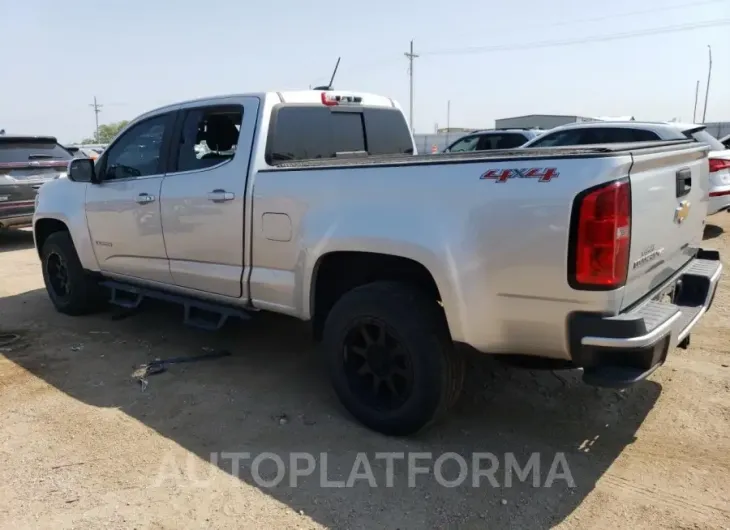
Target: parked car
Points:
(492, 139)
(85, 151)
(633, 131)
(312, 205)
(26, 163)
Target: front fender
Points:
(64, 200)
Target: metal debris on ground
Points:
(6, 339)
(122, 313)
(160, 365)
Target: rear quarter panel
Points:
(496, 250)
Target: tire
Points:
(82, 293)
(419, 347)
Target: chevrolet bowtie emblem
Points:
(682, 211)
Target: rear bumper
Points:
(719, 199)
(16, 214)
(16, 221)
(621, 350)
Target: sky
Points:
(490, 59)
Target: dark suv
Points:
(26, 163)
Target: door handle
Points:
(144, 198)
(220, 196)
(684, 182)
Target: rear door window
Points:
(12, 150)
(642, 135)
(596, 135)
(208, 137)
(605, 135)
(464, 145)
(500, 141)
(309, 133)
(560, 138)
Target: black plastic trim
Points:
(693, 288)
(192, 306)
(684, 182)
(479, 157)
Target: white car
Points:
(725, 140)
(635, 131)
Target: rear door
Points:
(669, 200)
(203, 195)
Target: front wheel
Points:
(390, 358)
(69, 287)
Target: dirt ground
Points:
(83, 446)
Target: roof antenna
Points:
(332, 79)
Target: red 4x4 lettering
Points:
(503, 175)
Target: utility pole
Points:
(707, 90)
(411, 56)
(697, 93)
(97, 109)
(448, 121)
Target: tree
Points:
(107, 132)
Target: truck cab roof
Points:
(291, 97)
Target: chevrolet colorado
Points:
(312, 204)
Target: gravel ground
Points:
(84, 446)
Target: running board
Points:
(203, 315)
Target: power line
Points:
(616, 15)
(387, 61)
(570, 42)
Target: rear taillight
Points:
(718, 164)
(601, 237)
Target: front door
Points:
(204, 194)
(123, 211)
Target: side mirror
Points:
(82, 170)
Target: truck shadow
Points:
(270, 395)
(15, 240)
(712, 232)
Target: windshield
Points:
(706, 138)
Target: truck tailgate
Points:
(669, 200)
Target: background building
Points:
(718, 129)
(539, 121)
(548, 121)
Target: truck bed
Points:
(497, 155)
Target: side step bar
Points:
(204, 315)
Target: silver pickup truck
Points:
(312, 204)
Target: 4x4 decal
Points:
(503, 175)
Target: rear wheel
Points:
(69, 287)
(390, 358)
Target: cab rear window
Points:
(302, 132)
